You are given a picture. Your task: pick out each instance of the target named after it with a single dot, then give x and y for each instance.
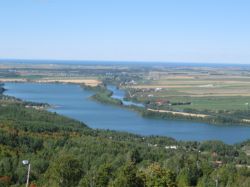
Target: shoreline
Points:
(88, 82)
(179, 113)
(175, 115)
(132, 132)
(144, 112)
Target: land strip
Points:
(179, 113)
(88, 82)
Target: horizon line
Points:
(121, 61)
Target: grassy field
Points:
(206, 88)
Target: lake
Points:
(73, 101)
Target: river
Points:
(120, 94)
(73, 101)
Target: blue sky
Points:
(127, 30)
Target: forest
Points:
(64, 153)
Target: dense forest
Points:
(64, 153)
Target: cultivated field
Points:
(88, 82)
(205, 88)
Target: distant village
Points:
(153, 100)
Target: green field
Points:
(206, 88)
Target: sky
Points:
(211, 31)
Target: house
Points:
(160, 102)
(214, 154)
(158, 89)
(171, 147)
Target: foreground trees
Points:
(66, 153)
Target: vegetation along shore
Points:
(102, 94)
(64, 152)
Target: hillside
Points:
(64, 152)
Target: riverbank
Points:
(179, 113)
(105, 96)
(87, 82)
(5, 99)
(52, 141)
(74, 102)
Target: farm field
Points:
(207, 89)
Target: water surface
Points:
(72, 101)
(120, 94)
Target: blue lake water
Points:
(73, 101)
(120, 94)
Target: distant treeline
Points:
(218, 119)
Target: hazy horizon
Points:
(116, 62)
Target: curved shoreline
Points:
(120, 118)
(148, 112)
(168, 114)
